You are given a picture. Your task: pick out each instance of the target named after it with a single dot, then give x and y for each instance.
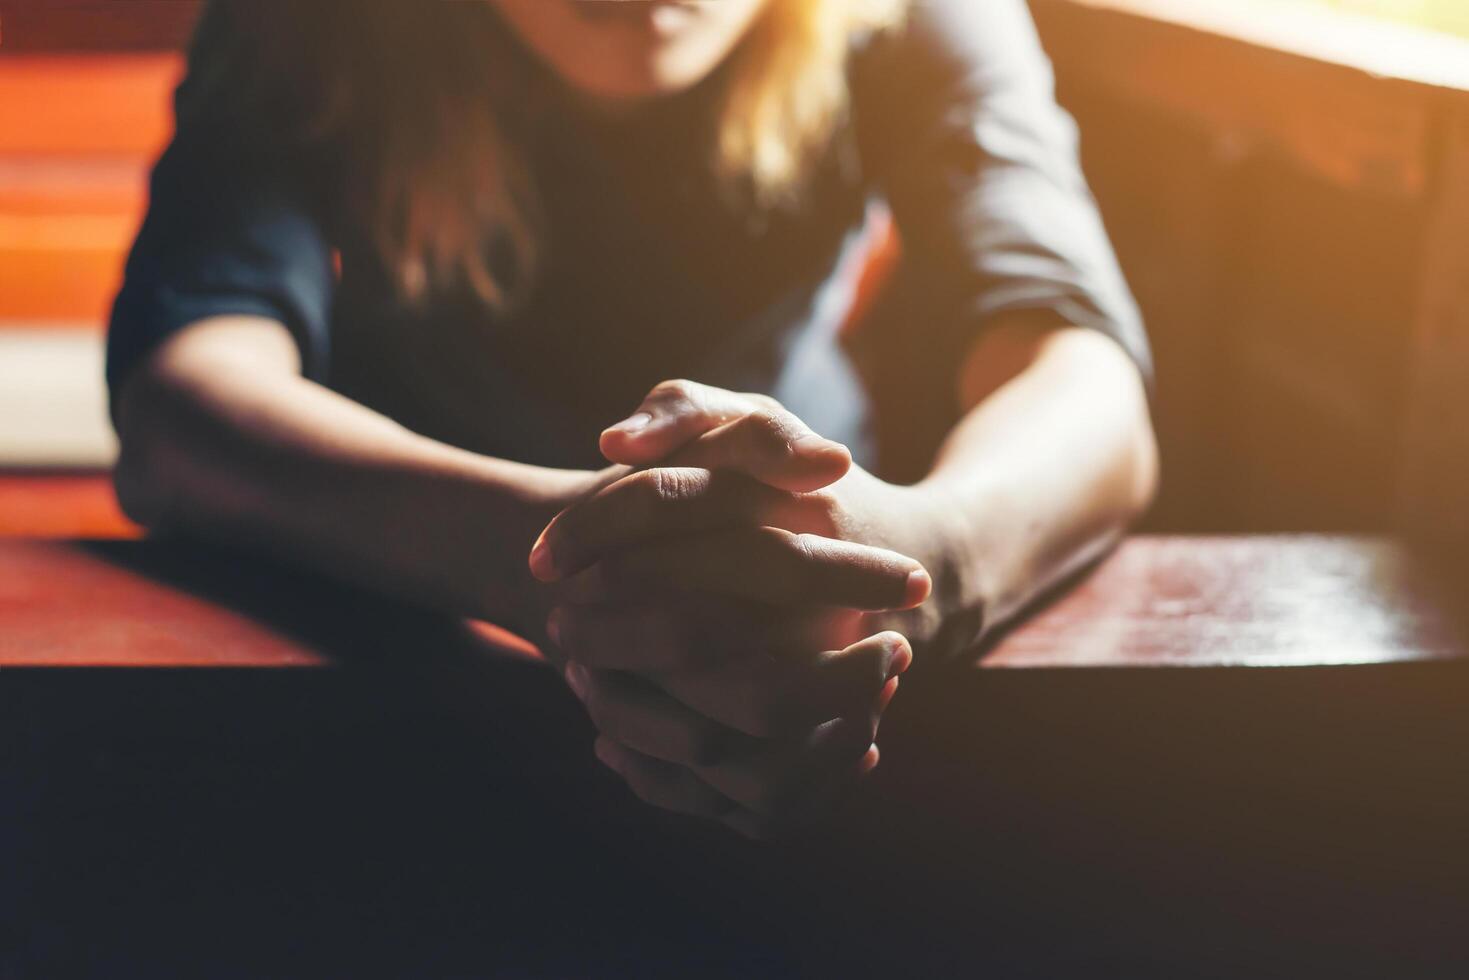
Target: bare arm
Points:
(223, 439)
(1052, 461)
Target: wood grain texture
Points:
(1159, 602)
(1269, 601)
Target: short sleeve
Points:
(959, 127)
(228, 230)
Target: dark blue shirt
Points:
(650, 274)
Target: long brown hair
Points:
(397, 92)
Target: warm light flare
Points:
(1440, 15)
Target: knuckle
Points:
(675, 390)
(652, 488)
(773, 430)
(798, 546)
(797, 553)
(804, 550)
(668, 485)
(648, 493)
(822, 509)
(765, 402)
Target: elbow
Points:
(1141, 466)
(141, 477)
(179, 418)
(1117, 399)
(1145, 469)
(139, 492)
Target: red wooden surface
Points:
(1160, 601)
(61, 505)
(1267, 601)
(64, 606)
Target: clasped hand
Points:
(714, 608)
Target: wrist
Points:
(959, 611)
(543, 493)
(505, 507)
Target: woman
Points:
(404, 261)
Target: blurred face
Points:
(621, 50)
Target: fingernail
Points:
(553, 625)
(902, 660)
(542, 562)
(889, 691)
(918, 587)
(869, 761)
(633, 423)
(576, 679)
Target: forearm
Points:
(1044, 472)
(224, 447)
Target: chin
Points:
(640, 77)
(630, 51)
